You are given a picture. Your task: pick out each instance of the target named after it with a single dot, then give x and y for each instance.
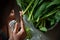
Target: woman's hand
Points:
(18, 34)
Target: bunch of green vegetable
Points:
(29, 35)
(44, 14)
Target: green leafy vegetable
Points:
(44, 14)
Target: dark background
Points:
(54, 34)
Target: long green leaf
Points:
(51, 13)
(28, 6)
(35, 3)
(40, 10)
(54, 2)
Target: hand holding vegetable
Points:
(18, 34)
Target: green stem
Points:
(35, 3)
(28, 6)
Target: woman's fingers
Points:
(21, 25)
(22, 30)
(21, 13)
(16, 28)
(21, 19)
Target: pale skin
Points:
(15, 34)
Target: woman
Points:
(5, 17)
(17, 34)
